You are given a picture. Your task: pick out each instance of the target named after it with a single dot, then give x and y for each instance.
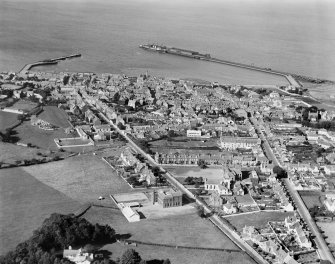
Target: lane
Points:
(323, 249)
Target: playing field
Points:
(55, 116)
(83, 178)
(24, 203)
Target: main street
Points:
(323, 249)
(214, 218)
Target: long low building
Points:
(239, 142)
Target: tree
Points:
(171, 133)
(281, 173)
(166, 261)
(89, 248)
(20, 117)
(130, 256)
(201, 211)
(189, 180)
(132, 180)
(202, 164)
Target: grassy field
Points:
(55, 116)
(24, 203)
(311, 198)
(259, 219)
(10, 153)
(183, 172)
(180, 256)
(83, 178)
(24, 105)
(7, 120)
(182, 230)
(38, 137)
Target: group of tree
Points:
(130, 256)
(194, 180)
(9, 136)
(58, 232)
(329, 125)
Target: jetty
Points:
(54, 61)
(293, 79)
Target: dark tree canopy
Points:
(281, 173)
(130, 256)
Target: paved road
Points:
(215, 219)
(268, 151)
(323, 249)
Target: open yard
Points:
(7, 120)
(38, 137)
(55, 116)
(24, 203)
(83, 178)
(311, 198)
(259, 219)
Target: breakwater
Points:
(292, 78)
(54, 61)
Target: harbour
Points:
(54, 61)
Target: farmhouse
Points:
(77, 256)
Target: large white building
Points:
(193, 133)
